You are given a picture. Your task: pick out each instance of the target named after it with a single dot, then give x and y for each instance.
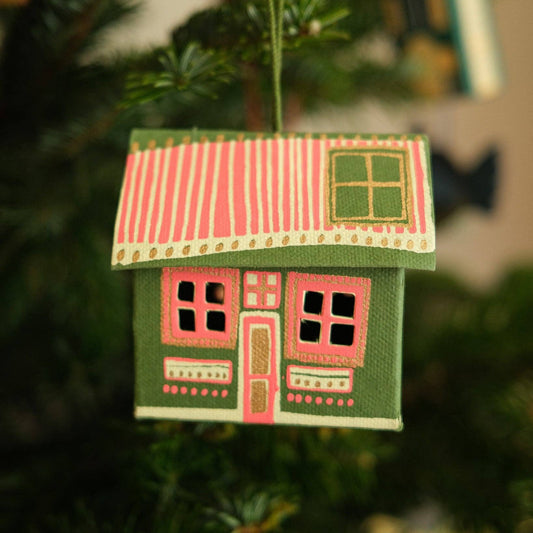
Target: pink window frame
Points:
(262, 288)
(201, 337)
(323, 352)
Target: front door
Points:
(259, 338)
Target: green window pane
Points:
(387, 202)
(385, 168)
(351, 202)
(349, 167)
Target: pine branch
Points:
(193, 72)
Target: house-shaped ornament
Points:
(269, 273)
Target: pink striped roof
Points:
(204, 198)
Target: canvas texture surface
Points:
(269, 273)
(312, 346)
(230, 198)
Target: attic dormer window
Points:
(369, 187)
(327, 318)
(199, 306)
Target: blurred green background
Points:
(73, 458)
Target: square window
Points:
(387, 202)
(313, 302)
(342, 304)
(341, 334)
(310, 331)
(251, 279)
(262, 290)
(271, 299)
(351, 202)
(187, 320)
(385, 168)
(188, 295)
(327, 338)
(348, 167)
(216, 321)
(186, 291)
(214, 293)
(369, 186)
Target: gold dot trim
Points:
(321, 239)
(303, 238)
(135, 147)
(285, 240)
(240, 137)
(374, 138)
(357, 137)
(151, 145)
(153, 253)
(260, 135)
(186, 250)
(220, 138)
(252, 243)
(203, 139)
(355, 238)
(424, 245)
(169, 142)
(186, 139)
(337, 237)
(410, 245)
(269, 242)
(418, 138)
(368, 241)
(203, 248)
(219, 247)
(277, 135)
(384, 241)
(308, 136)
(120, 255)
(169, 251)
(323, 136)
(136, 256)
(291, 135)
(397, 243)
(234, 245)
(340, 137)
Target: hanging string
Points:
(276, 44)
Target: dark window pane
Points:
(342, 304)
(214, 293)
(216, 321)
(186, 291)
(313, 302)
(187, 322)
(341, 334)
(310, 331)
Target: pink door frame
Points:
(264, 413)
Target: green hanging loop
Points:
(276, 43)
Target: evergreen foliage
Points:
(73, 459)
